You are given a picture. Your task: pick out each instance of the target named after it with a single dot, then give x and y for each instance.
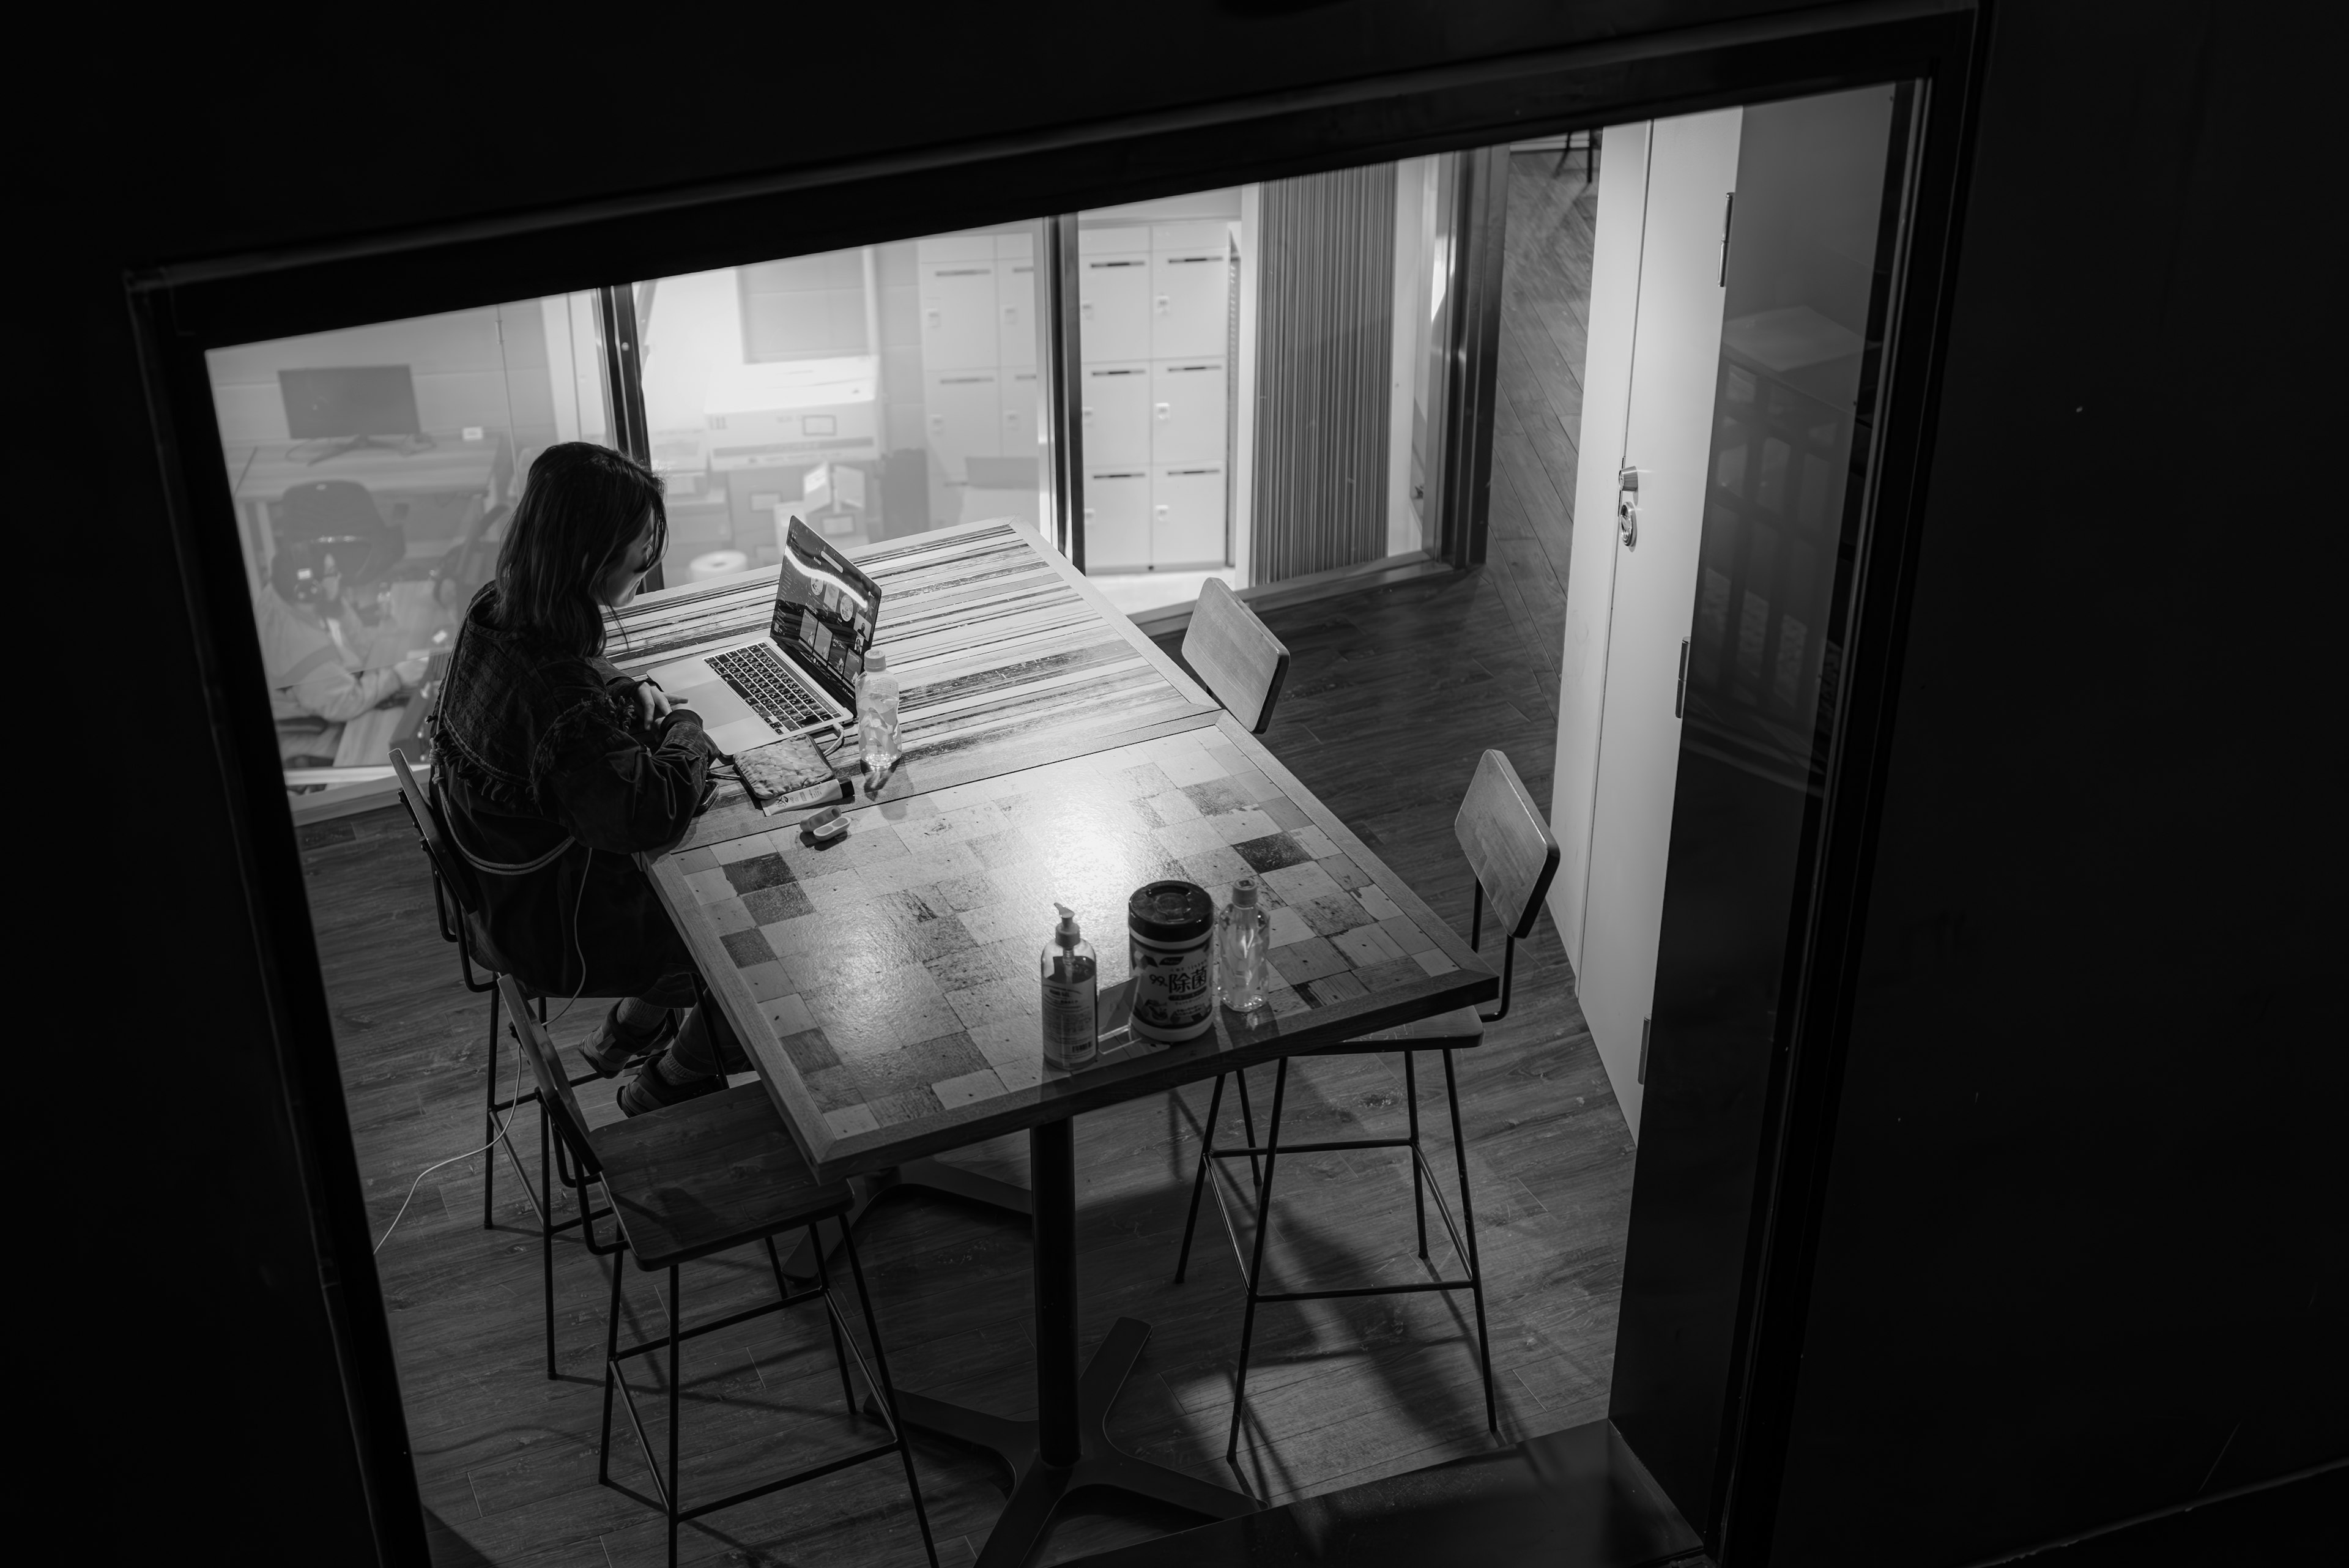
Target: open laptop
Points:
(798, 676)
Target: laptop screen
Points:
(824, 612)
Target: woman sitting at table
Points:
(554, 770)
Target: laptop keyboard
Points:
(760, 677)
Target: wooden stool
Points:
(1514, 857)
(686, 1181)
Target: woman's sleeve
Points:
(612, 790)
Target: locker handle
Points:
(1086, 410)
(1161, 510)
(934, 316)
(1162, 411)
(1089, 514)
(1012, 315)
(1086, 309)
(1162, 302)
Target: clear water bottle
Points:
(1243, 945)
(876, 715)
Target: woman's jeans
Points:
(704, 1045)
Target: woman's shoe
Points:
(648, 1091)
(609, 1050)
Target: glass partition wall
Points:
(1257, 396)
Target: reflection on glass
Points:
(1800, 269)
(373, 469)
(872, 393)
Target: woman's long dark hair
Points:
(580, 508)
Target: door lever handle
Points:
(1627, 505)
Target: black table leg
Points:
(915, 1176)
(1067, 1450)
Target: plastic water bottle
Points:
(1243, 942)
(876, 715)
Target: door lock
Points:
(1627, 507)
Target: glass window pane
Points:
(373, 469)
(871, 392)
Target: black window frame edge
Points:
(181, 309)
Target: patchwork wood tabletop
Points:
(887, 986)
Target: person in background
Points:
(313, 647)
(554, 771)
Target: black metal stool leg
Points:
(611, 1369)
(1418, 1193)
(1199, 1180)
(546, 1235)
(887, 1389)
(676, 1488)
(1255, 1264)
(490, 1113)
(1248, 1123)
(1468, 1235)
(832, 1320)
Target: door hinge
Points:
(1728, 205)
(1645, 1024)
(1680, 691)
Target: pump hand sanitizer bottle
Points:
(1069, 973)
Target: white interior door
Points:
(1619, 734)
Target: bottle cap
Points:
(1243, 892)
(876, 662)
(1066, 932)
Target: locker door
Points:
(958, 314)
(1020, 413)
(1187, 517)
(965, 416)
(1113, 307)
(1188, 303)
(1186, 412)
(1116, 414)
(1117, 519)
(1015, 312)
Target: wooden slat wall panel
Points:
(1325, 332)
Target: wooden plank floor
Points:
(1392, 697)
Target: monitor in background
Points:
(351, 406)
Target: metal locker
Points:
(1021, 415)
(1015, 311)
(1189, 296)
(1186, 412)
(964, 415)
(1186, 515)
(1117, 519)
(1113, 307)
(959, 316)
(1114, 408)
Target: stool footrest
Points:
(1348, 1291)
(1311, 1147)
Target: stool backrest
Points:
(453, 873)
(1242, 663)
(1509, 845)
(561, 1106)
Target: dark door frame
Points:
(181, 309)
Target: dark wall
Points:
(2083, 1253)
(2103, 1004)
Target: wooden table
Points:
(886, 987)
